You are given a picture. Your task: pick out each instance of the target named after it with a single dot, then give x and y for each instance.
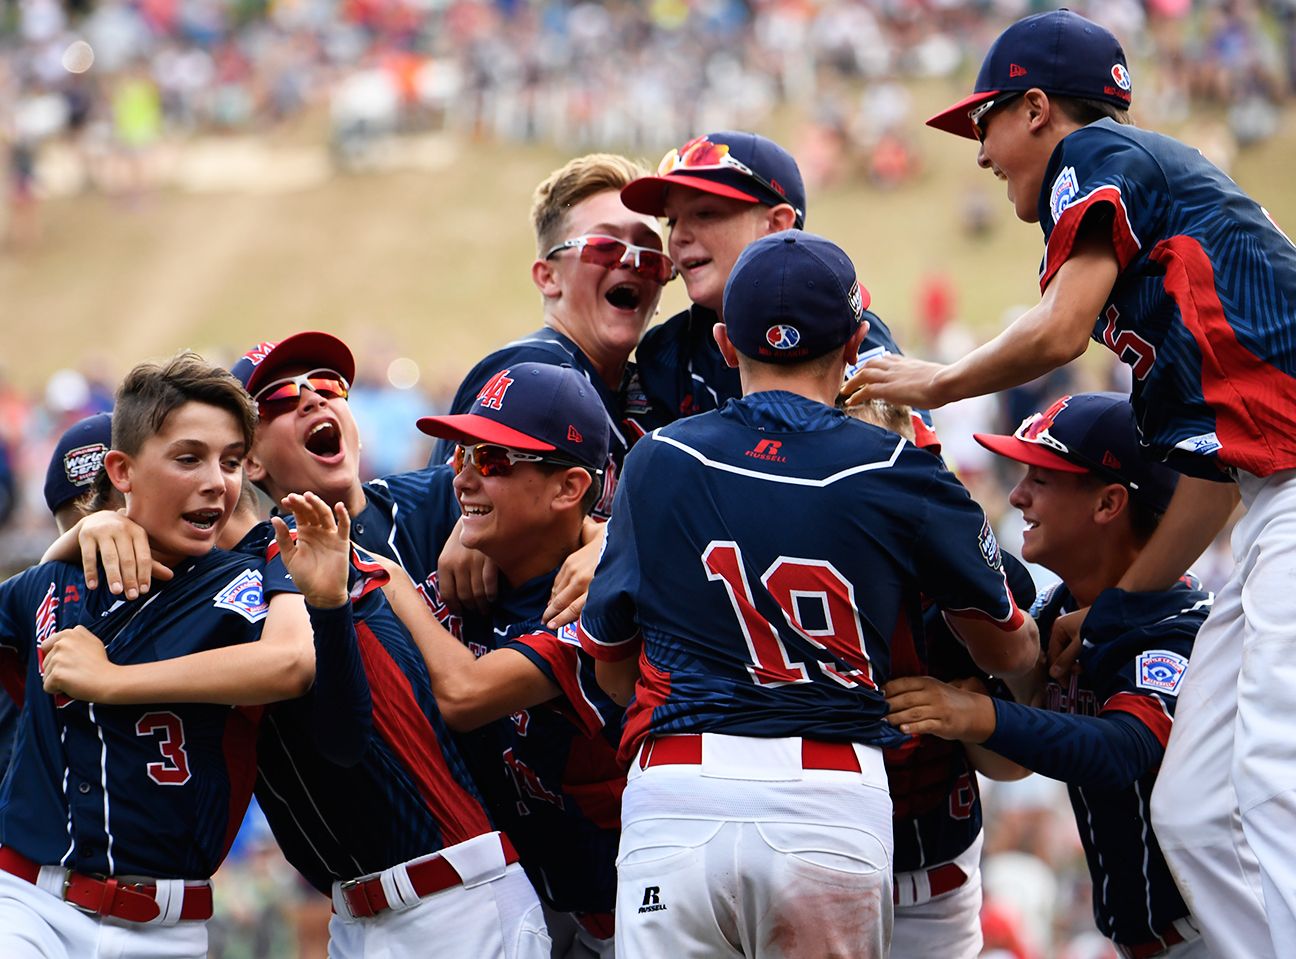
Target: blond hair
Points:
(574, 181)
(890, 416)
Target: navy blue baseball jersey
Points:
(152, 790)
(560, 800)
(1204, 305)
(1107, 743)
(548, 346)
(405, 793)
(762, 555)
(407, 518)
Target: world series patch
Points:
(989, 546)
(244, 596)
(1161, 670)
(1065, 189)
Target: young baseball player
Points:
(751, 617)
(73, 466)
(1091, 501)
(370, 801)
(1191, 284)
(114, 816)
(600, 270)
(528, 461)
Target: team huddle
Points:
(699, 654)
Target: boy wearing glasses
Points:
(1091, 501)
(528, 461)
(600, 270)
(1194, 287)
(751, 618)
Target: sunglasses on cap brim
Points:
(701, 154)
(1035, 429)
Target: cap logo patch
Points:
(1044, 421)
(782, 336)
(1121, 75)
(492, 394)
(1161, 670)
(1065, 189)
(1110, 461)
(82, 464)
(573, 435)
(1015, 71)
(244, 595)
(856, 300)
(259, 352)
(779, 187)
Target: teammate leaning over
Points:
(529, 464)
(100, 797)
(1159, 256)
(757, 562)
(1090, 502)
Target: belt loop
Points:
(107, 897)
(170, 896)
(397, 887)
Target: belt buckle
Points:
(68, 875)
(346, 888)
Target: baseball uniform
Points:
(141, 791)
(764, 632)
(1202, 312)
(1103, 732)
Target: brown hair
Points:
(1085, 111)
(151, 392)
(574, 181)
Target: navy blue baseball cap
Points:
(77, 459)
(1089, 433)
(537, 408)
(1060, 52)
(792, 296)
(741, 166)
(257, 366)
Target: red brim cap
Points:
(475, 428)
(955, 119)
(1032, 454)
(310, 349)
(648, 194)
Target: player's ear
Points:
(781, 217)
(118, 467)
(1113, 501)
(851, 350)
(726, 348)
(1039, 109)
(575, 481)
(545, 277)
(253, 469)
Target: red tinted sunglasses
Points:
(491, 459)
(281, 396)
(611, 253)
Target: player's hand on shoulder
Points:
(75, 664)
(319, 558)
(1064, 644)
(899, 379)
(571, 585)
(921, 705)
(122, 546)
(467, 579)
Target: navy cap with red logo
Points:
(309, 349)
(537, 408)
(741, 166)
(1089, 433)
(792, 296)
(1060, 53)
(77, 459)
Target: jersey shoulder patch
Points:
(989, 546)
(244, 595)
(1065, 189)
(1161, 670)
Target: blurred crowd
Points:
(118, 81)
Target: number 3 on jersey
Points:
(174, 768)
(795, 585)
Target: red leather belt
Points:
(132, 901)
(365, 897)
(940, 880)
(686, 750)
(1170, 936)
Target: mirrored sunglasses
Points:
(492, 459)
(281, 396)
(611, 253)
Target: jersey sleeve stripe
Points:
(1149, 710)
(608, 652)
(1062, 239)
